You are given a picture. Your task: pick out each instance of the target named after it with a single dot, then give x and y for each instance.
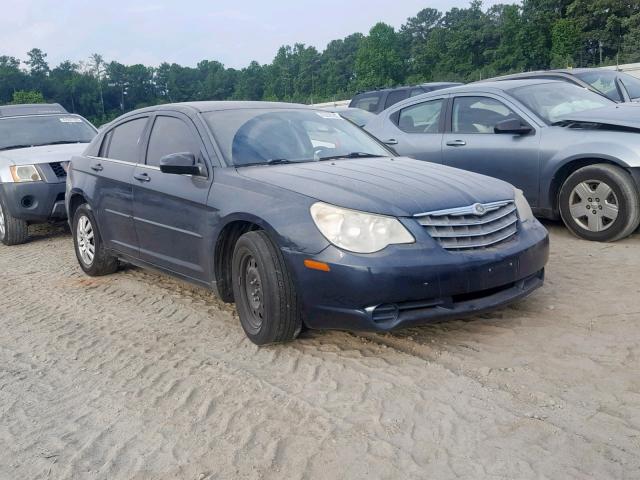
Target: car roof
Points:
(31, 109)
(489, 85)
(214, 106)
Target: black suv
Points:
(376, 101)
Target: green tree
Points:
(378, 61)
(23, 96)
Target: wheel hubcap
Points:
(86, 240)
(2, 224)
(253, 291)
(593, 205)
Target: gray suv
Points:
(36, 144)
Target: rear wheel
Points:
(600, 203)
(90, 251)
(264, 292)
(13, 231)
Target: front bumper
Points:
(409, 285)
(35, 201)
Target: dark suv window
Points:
(396, 96)
(123, 141)
(367, 102)
(170, 135)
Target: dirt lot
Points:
(139, 376)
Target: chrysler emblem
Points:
(479, 209)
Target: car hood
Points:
(626, 115)
(391, 186)
(42, 154)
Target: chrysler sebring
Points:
(299, 217)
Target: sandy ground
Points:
(138, 376)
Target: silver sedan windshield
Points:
(265, 136)
(553, 101)
(36, 130)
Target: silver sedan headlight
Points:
(524, 210)
(25, 173)
(358, 232)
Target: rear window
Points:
(396, 96)
(367, 102)
(124, 141)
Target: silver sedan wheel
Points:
(3, 227)
(593, 205)
(86, 240)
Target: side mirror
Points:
(513, 126)
(182, 164)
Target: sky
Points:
(187, 31)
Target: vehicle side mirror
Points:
(182, 164)
(513, 126)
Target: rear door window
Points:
(421, 118)
(170, 135)
(396, 96)
(125, 140)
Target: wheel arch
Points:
(76, 199)
(567, 168)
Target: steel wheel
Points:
(3, 227)
(252, 287)
(86, 240)
(593, 205)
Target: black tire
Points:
(16, 231)
(626, 195)
(101, 263)
(272, 314)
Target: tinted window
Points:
(418, 91)
(367, 102)
(478, 114)
(604, 81)
(395, 97)
(125, 140)
(170, 135)
(421, 118)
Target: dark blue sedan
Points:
(299, 217)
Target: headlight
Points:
(358, 232)
(25, 173)
(524, 210)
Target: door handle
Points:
(143, 177)
(391, 141)
(456, 143)
(97, 167)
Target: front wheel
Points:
(600, 203)
(90, 251)
(13, 231)
(264, 291)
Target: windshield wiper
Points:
(11, 147)
(351, 155)
(273, 161)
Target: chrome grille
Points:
(475, 226)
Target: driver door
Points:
(470, 143)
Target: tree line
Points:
(462, 44)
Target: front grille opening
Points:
(465, 297)
(58, 169)
(460, 230)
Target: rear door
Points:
(170, 211)
(471, 144)
(113, 170)
(416, 130)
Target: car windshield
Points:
(632, 84)
(36, 130)
(554, 101)
(602, 80)
(268, 136)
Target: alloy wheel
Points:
(593, 205)
(3, 228)
(86, 240)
